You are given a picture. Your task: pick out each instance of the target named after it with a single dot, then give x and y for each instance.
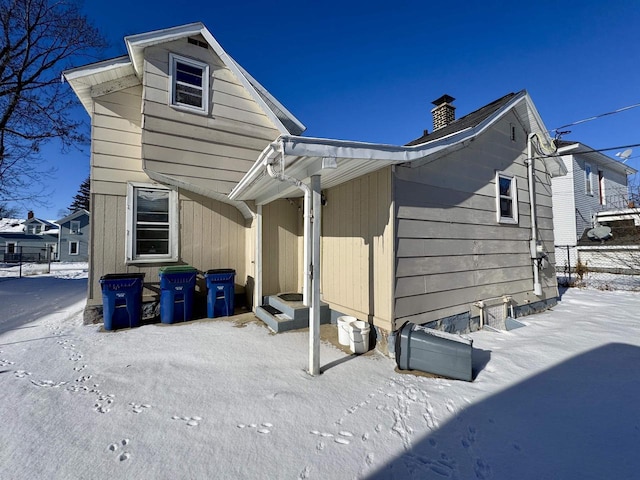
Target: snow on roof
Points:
(13, 225)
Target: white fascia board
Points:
(95, 68)
(600, 158)
(137, 43)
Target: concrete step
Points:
(283, 315)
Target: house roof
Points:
(73, 216)
(28, 236)
(123, 72)
(46, 223)
(470, 120)
(11, 225)
(573, 147)
(338, 161)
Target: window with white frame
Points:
(506, 198)
(152, 223)
(73, 248)
(74, 227)
(189, 83)
(588, 179)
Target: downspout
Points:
(533, 245)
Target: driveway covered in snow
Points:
(26, 299)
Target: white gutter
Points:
(537, 287)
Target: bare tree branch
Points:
(38, 40)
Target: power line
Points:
(596, 117)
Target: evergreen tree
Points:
(81, 200)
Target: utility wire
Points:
(596, 117)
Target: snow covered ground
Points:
(55, 269)
(221, 399)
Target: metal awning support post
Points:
(314, 311)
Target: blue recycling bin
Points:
(220, 292)
(122, 300)
(177, 286)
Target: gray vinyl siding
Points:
(82, 238)
(451, 251)
(212, 151)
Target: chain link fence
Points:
(15, 260)
(605, 268)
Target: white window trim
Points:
(204, 110)
(77, 247)
(172, 256)
(71, 230)
(514, 199)
(588, 179)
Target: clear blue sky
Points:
(369, 70)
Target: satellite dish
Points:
(624, 156)
(600, 232)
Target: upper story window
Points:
(152, 223)
(74, 227)
(189, 83)
(34, 228)
(506, 198)
(588, 179)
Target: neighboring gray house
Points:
(594, 183)
(73, 243)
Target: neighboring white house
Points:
(594, 183)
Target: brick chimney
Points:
(30, 215)
(444, 113)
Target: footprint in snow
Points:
(264, 427)
(138, 408)
(191, 421)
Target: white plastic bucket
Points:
(343, 329)
(359, 336)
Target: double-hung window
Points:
(152, 223)
(73, 248)
(506, 198)
(189, 83)
(74, 227)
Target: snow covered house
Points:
(194, 162)
(32, 240)
(73, 239)
(595, 183)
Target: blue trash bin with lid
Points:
(177, 286)
(122, 300)
(220, 292)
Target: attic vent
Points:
(200, 43)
